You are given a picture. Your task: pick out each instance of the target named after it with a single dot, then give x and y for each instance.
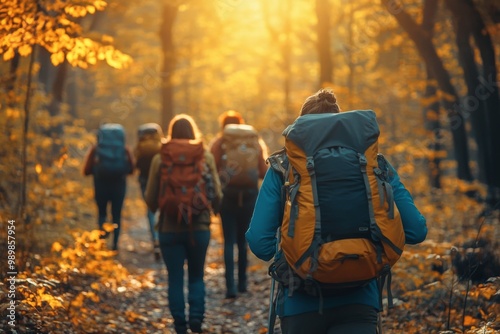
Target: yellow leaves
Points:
(57, 58)
(470, 321)
(56, 247)
(59, 34)
(100, 4)
(108, 227)
(53, 302)
(38, 168)
(83, 10)
(40, 298)
(87, 52)
(487, 291)
(92, 296)
(107, 39)
(78, 301)
(61, 160)
(9, 54)
(132, 316)
(76, 11)
(12, 113)
(117, 59)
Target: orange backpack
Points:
(340, 227)
(185, 180)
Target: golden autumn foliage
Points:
(53, 26)
(229, 55)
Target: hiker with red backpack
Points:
(240, 157)
(109, 161)
(335, 216)
(150, 136)
(184, 186)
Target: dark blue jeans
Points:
(150, 214)
(110, 191)
(176, 248)
(348, 319)
(236, 211)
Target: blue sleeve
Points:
(413, 222)
(261, 234)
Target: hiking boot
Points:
(242, 286)
(180, 327)
(195, 326)
(230, 295)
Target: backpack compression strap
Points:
(313, 250)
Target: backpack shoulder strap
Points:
(278, 161)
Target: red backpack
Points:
(184, 179)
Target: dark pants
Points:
(236, 212)
(150, 214)
(176, 248)
(110, 191)
(349, 319)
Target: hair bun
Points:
(326, 95)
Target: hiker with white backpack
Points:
(240, 155)
(334, 215)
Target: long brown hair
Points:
(183, 126)
(323, 101)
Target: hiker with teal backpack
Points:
(335, 216)
(240, 156)
(150, 136)
(184, 187)
(109, 161)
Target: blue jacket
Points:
(261, 237)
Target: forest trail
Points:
(82, 287)
(245, 314)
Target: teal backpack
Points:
(111, 156)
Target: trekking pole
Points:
(271, 319)
(272, 314)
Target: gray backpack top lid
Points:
(357, 130)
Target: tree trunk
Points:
(471, 106)
(450, 102)
(431, 104)
(57, 98)
(324, 51)
(483, 103)
(11, 80)
(80, 83)
(47, 72)
(167, 91)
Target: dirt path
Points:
(245, 314)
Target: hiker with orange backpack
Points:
(184, 186)
(335, 216)
(109, 161)
(240, 157)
